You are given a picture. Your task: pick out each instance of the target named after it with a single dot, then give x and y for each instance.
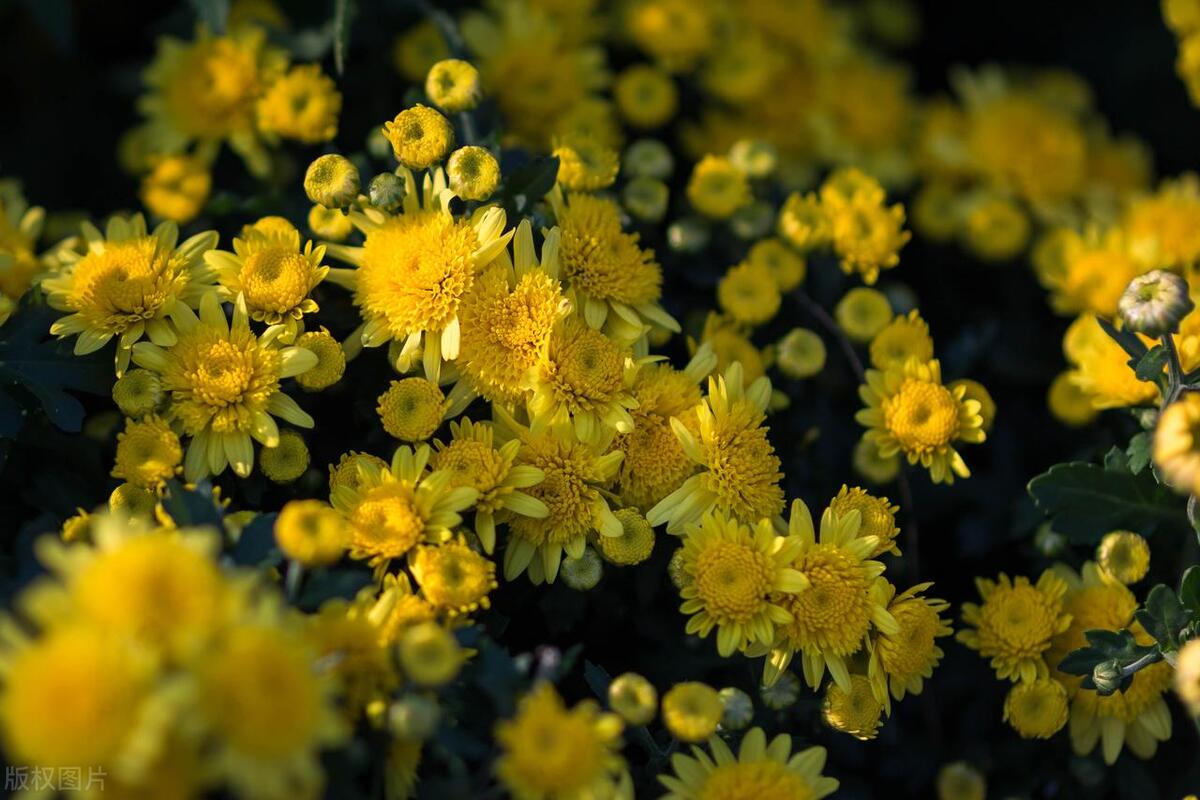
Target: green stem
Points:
(1175, 378)
(1143, 662)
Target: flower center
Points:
(922, 415)
(732, 580)
(275, 279)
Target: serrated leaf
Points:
(1163, 616)
(1151, 365)
(1115, 460)
(1111, 643)
(1085, 501)
(1189, 589)
(1141, 446)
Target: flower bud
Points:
(633, 697)
(688, 235)
(474, 173)
(386, 190)
(137, 392)
(754, 157)
(331, 181)
(646, 198)
(800, 354)
(583, 573)
(752, 221)
(1107, 677)
(453, 85)
(648, 158)
(414, 717)
(781, 694)
(739, 708)
(1155, 303)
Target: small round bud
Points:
(960, 781)
(414, 717)
(412, 409)
(420, 137)
(331, 360)
(646, 96)
(1124, 555)
(132, 500)
(331, 181)
(754, 157)
(329, 223)
(872, 465)
(583, 573)
(311, 532)
(800, 354)
(649, 158)
(739, 708)
(635, 543)
(688, 235)
(862, 313)
(1107, 677)
(177, 188)
(453, 85)
(1155, 303)
(752, 221)
(783, 693)
(586, 164)
(634, 698)
(137, 392)
(675, 569)
(646, 198)
(474, 173)
(691, 711)
(429, 654)
(286, 461)
(386, 190)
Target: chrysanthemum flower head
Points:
(674, 32)
(865, 233)
(414, 269)
(901, 661)
(20, 229)
(311, 532)
(863, 313)
(1089, 273)
(732, 576)
(1124, 555)
(731, 345)
(786, 265)
(287, 460)
(1177, 443)
(856, 712)
(128, 283)
(758, 770)
(909, 410)
(717, 188)
(906, 336)
(331, 360)
(635, 543)
(803, 222)
(346, 472)
(1162, 226)
(453, 85)
(148, 452)
(550, 751)
(412, 409)
(800, 353)
(224, 385)
(420, 137)
(1015, 624)
(634, 698)
(585, 164)
(1101, 368)
(691, 711)
(749, 294)
(646, 96)
(739, 469)
(474, 173)
(332, 181)
(454, 578)
(176, 188)
(344, 637)
(1037, 709)
(303, 105)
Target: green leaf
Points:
(1139, 451)
(530, 183)
(1081, 661)
(1189, 590)
(1163, 616)
(256, 545)
(1085, 501)
(212, 13)
(1151, 365)
(192, 507)
(1115, 460)
(343, 15)
(326, 584)
(1129, 342)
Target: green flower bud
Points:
(688, 235)
(752, 221)
(1155, 303)
(386, 190)
(331, 181)
(1107, 676)
(414, 717)
(633, 697)
(648, 158)
(754, 157)
(582, 573)
(739, 708)
(783, 694)
(801, 353)
(646, 198)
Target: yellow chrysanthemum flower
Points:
(675, 32)
(1070, 404)
(331, 360)
(1015, 624)
(20, 229)
(429, 655)
(634, 698)
(329, 223)
(832, 617)
(800, 354)
(691, 711)
(865, 233)
(733, 577)
(740, 471)
(176, 188)
(398, 608)
(474, 173)
(905, 337)
(303, 105)
(749, 294)
(414, 269)
(960, 781)
(394, 508)
(995, 228)
(1089, 273)
(453, 85)
(1124, 555)
(274, 275)
(1102, 368)
(646, 96)
(453, 577)
(1036, 710)
(343, 635)
(311, 532)
(287, 460)
(731, 345)
(346, 472)
(472, 459)
(717, 188)
(207, 90)
(550, 752)
(420, 137)
(635, 543)
(786, 265)
(759, 770)
(877, 513)
(585, 164)
(148, 452)
(128, 283)
(1187, 676)
(1177, 445)
(418, 49)
(1162, 228)
(901, 661)
(909, 411)
(856, 712)
(862, 313)
(804, 223)
(412, 409)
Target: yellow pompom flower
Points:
(856, 712)
(1124, 555)
(800, 354)
(398, 608)
(412, 409)
(785, 264)
(550, 752)
(271, 711)
(865, 233)
(472, 459)
(1068, 403)
(862, 313)
(1036, 709)
(691, 711)
(414, 269)
(909, 411)
(901, 661)
(329, 223)
(905, 337)
(1163, 227)
(287, 460)
(420, 137)
(346, 472)
(759, 770)
(453, 578)
(739, 469)
(634, 698)
(1090, 272)
(224, 385)
(577, 475)
(1014, 625)
(804, 223)
(176, 188)
(133, 501)
(394, 508)
(508, 316)
(1176, 444)
(585, 164)
(128, 283)
(331, 360)
(207, 90)
(832, 617)
(635, 543)
(716, 188)
(429, 654)
(303, 105)
(749, 294)
(877, 513)
(311, 532)
(646, 96)
(960, 781)
(148, 453)
(275, 277)
(453, 85)
(474, 173)
(610, 275)
(733, 577)
(332, 181)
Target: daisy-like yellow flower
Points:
(611, 277)
(866, 234)
(739, 468)
(803, 222)
(398, 608)
(832, 617)
(508, 316)
(675, 32)
(148, 452)
(207, 91)
(394, 508)
(1015, 624)
(1036, 710)
(20, 229)
(453, 85)
(453, 577)
(176, 188)
(909, 410)
(274, 275)
(472, 459)
(1069, 403)
(127, 283)
(717, 189)
(785, 265)
(414, 269)
(646, 96)
(856, 712)
(878, 517)
(1162, 227)
(303, 105)
(1124, 555)
(550, 752)
(732, 578)
(577, 475)
(759, 770)
(344, 635)
(1102, 368)
(311, 532)
(1089, 273)
(901, 661)
(749, 294)
(224, 386)
(692, 710)
(904, 338)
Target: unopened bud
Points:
(739, 708)
(648, 158)
(646, 198)
(1107, 676)
(414, 717)
(331, 181)
(386, 190)
(1155, 303)
(582, 573)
